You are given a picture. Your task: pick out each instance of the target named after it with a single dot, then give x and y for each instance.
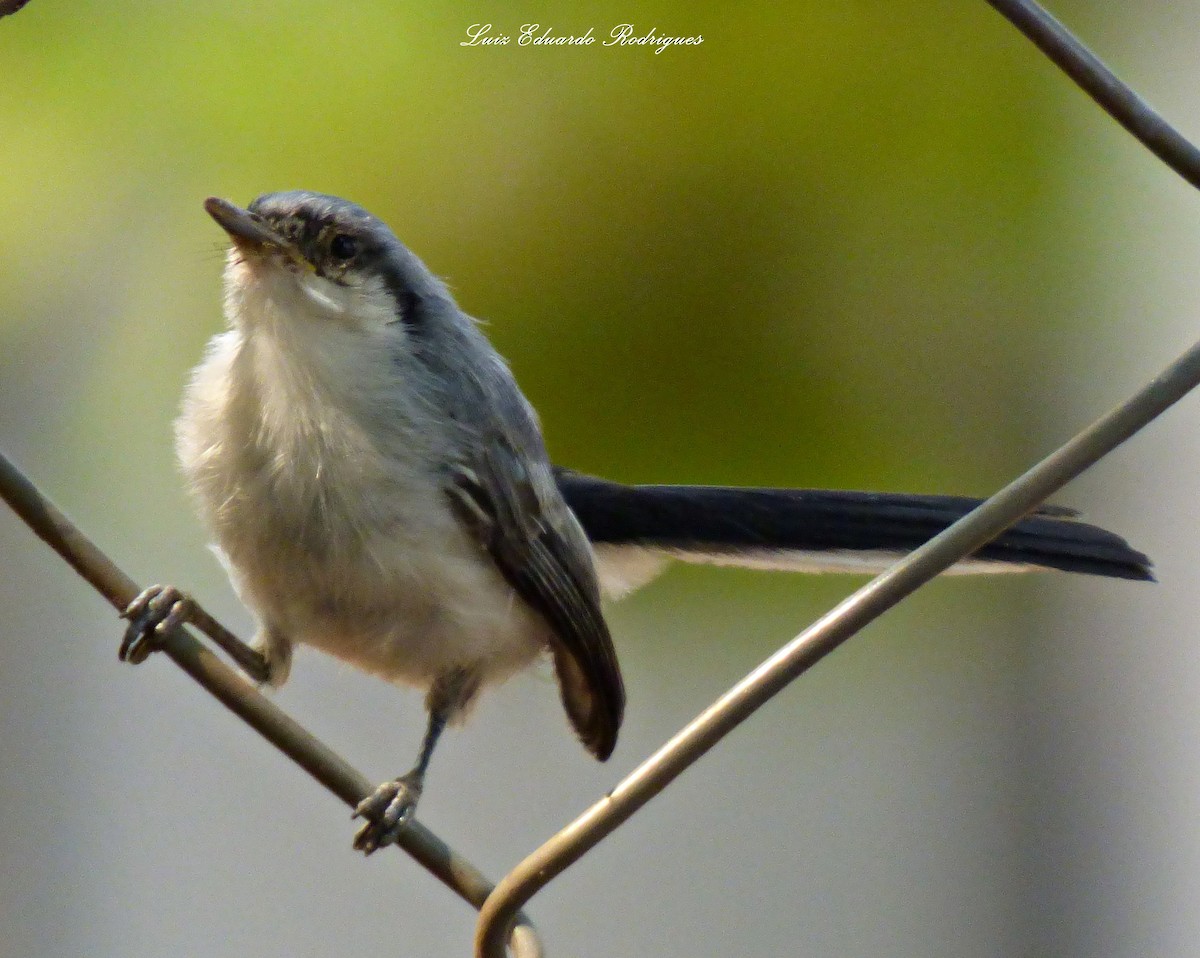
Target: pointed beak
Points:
(249, 233)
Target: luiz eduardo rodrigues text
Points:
(539, 35)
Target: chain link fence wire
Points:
(501, 922)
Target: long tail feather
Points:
(821, 530)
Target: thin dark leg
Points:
(393, 803)
(433, 732)
(248, 659)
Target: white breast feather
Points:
(298, 443)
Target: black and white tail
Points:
(635, 529)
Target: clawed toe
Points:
(153, 614)
(387, 810)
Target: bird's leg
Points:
(393, 803)
(161, 608)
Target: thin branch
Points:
(259, 712)
(962, 538)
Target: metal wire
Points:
(812, 645)
(257, 711)
(1101, 84)
(500, 919)
(962, 538)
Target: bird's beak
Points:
(249, 233)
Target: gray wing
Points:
(501, 485)
(511, 503)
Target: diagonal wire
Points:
(1102, 85)
(885, 591)
(259, 712)
(812, 645)
(499, 910)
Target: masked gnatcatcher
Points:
(378, 488)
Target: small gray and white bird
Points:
(378, 488)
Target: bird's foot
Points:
(153, 614)
(387, 810)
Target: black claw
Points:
(387, 810)
(152, 615)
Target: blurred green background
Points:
(852, 245)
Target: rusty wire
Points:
(245, 701)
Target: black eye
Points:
(343, 246)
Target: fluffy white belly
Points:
(409, 604)
(340, 543)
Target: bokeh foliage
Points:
(820, 248)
